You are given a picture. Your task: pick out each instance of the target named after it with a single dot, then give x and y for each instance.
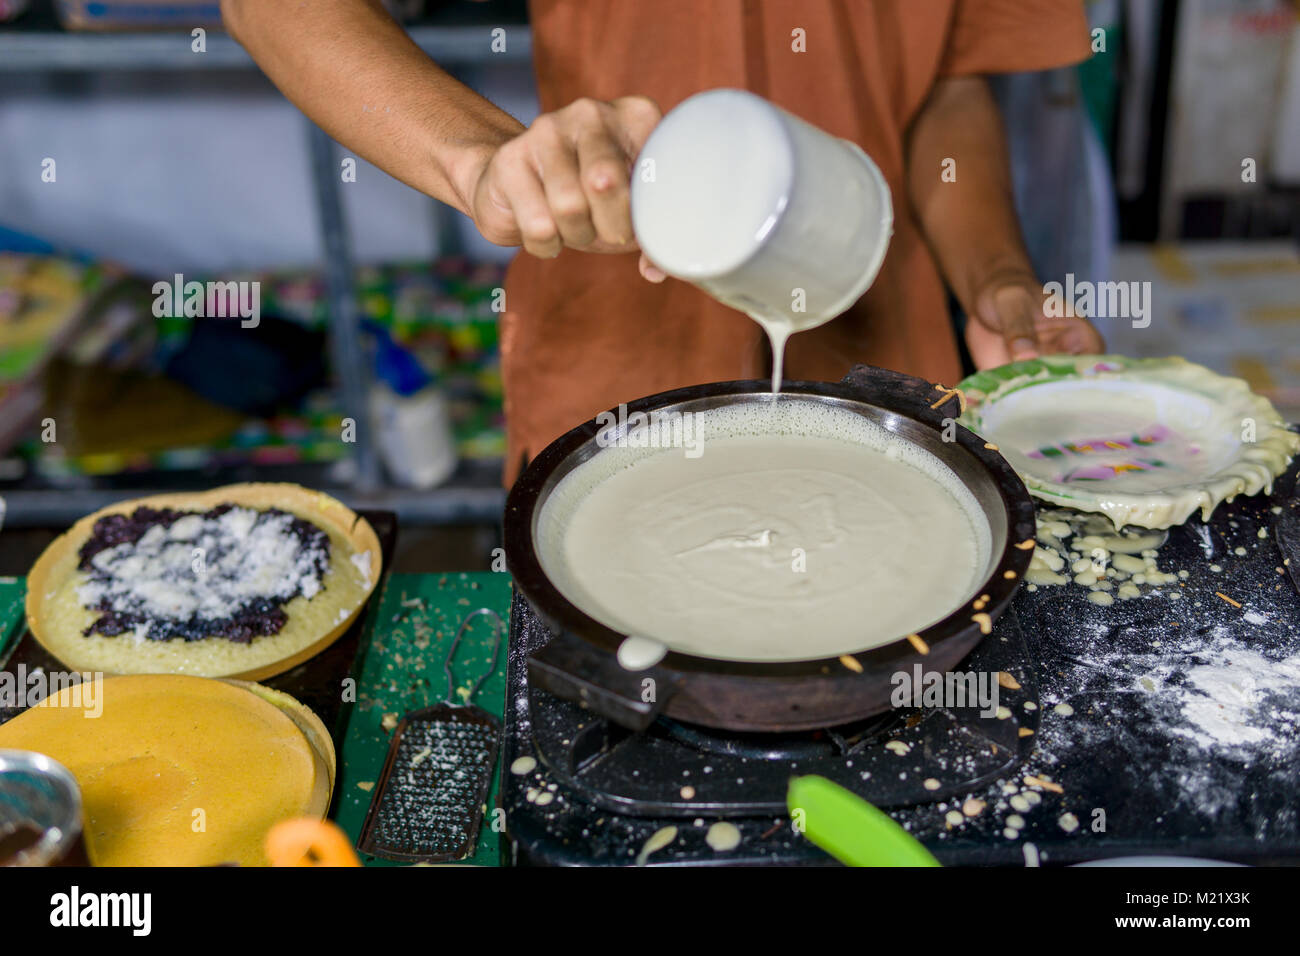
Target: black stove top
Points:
(1168, 726)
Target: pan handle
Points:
(574, 670)
(931, 402)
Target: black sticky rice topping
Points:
(261, 616)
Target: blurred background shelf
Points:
(473, 495)
(45, 46)
(37, 48)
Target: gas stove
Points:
(611, 788)
(1103, 749)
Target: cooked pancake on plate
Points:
(1145, 441)
(241, 581)
(181, 771)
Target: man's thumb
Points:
(1012, 311)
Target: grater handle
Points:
(498, 627)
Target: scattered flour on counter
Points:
(1184, 714)
(1226, 699)
(1213, 691)
(1212, 715)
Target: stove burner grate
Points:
(674, 769)
(829, 742)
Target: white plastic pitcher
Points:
(765, 212)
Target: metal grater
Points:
(428, 804)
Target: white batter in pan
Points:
(803, 531)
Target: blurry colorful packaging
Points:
(138, 14)
(10, 9)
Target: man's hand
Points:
(970, 223)
(1009, 323)
(354, 70)
(564, 180)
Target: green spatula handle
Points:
(849, 828)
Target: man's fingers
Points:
(649, 271)
(1015, 316)
(565, 180)
(556, 163)
(1083, 338)
(604, 168)
(523, 191)
(987, 347)
(1010, 324)
(636, 117)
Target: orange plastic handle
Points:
(307, 842)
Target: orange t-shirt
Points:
(583, 332)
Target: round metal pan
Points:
(580, 661)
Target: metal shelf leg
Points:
(348, 357)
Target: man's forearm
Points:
(352, 69)
(970, 222)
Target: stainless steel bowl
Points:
(40, 795)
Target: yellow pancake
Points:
(57, 618)
(177, 770)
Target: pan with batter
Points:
(802, 531)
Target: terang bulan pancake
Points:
(181, 771)
(797, 530)
(240, 581)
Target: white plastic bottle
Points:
(411, 418)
